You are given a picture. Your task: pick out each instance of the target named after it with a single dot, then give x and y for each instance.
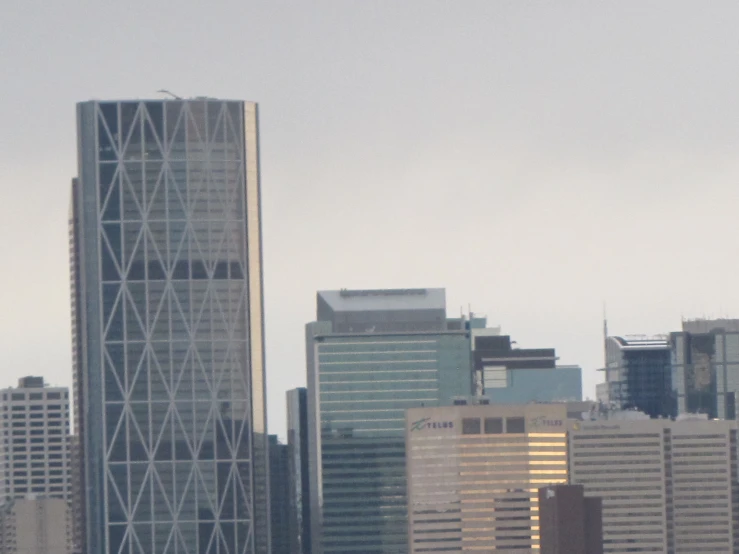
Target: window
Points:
(53, 395)
(515, 425)
(495, 377)
(471, 426)
(36, 396)
(18, 396)
(493, 425)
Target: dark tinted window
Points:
(471, 426)
(493, 425)
(515, 425)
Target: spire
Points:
(605, 334)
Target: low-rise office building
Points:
(570, 522)
(35, 525)
(667, 486)
(474, 472)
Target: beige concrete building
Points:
(667, 486)
(35, 525)
(474, 474)
(36, 455)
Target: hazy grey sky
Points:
(536, 159)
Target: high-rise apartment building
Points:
(36, 525)
(511, 375)
(299, 471)
(570, 522)
(168, 327)
(705, 367)
(474, 473)
(639, 375)
(279, 488)
(37, 452)
(667, 486)
(371, 355)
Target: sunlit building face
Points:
(474, 473)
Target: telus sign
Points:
(543, 421)
(428, 423)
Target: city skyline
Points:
(575, 142)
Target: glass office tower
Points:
(168, 330)
(639, 375)
(705, 367)
(371, 355)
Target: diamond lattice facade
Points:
(168, 330)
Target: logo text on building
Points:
(544, 421)
(428, 423)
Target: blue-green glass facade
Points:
(359, 388)
(560, 384)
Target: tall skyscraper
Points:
(705, 367)
(299, 471)
(168, 327)
(474, 472)
(639, 375)
(371, 355)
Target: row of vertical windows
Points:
(35, 396)
(493, 425)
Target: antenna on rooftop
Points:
(172, 94)
(605, 334)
